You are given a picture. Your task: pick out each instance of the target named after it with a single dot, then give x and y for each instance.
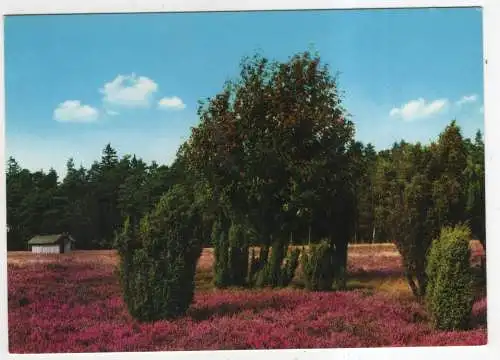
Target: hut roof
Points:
(49, 239)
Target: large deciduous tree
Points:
(274, 145)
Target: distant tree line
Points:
(92, 203)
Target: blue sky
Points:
(77, 82)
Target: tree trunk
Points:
(413, 286)
(422, 285)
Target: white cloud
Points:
(171, 103)
(418, 109)
(112, 112)
(467, 99)
(129, 90)
(481, 109)
(74, 111)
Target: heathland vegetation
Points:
(273, 179)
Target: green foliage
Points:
(475, 176)
(222, 277)
(231, 254)
(158, 260)
(274, 145)
(318, 266)
(221, 255)
(277, 272)
(275, 262)
(419, 190)
(257, 275)
(261, 277)
(238, 254)
(364, 166)
(289, 267)
(449, 294)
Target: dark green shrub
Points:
(258, 263)
(261, 277)
(231, 255)
(289, 267)
(277, 271)
(124, 243)
(273, 273)
(449, 296)
(318, 265)
(158, 260)
(222, 275)
(238, 255)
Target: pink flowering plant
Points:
(75, 306)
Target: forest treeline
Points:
(287, 178)
(92, 203)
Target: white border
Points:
(492, 89)
(123, 6)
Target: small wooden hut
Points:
(51, 244)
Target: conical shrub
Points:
(222, 275)
(449, 295)
(157, 271)
(318, 266)
(238, 255)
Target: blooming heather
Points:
(77, 307)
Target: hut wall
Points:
(45, 249)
